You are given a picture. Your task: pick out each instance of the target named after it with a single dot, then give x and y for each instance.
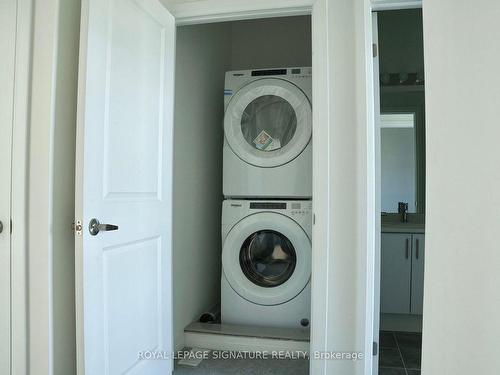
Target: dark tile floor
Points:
(400, 353)
(245, 367)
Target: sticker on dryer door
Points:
(263, 141)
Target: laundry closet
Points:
(271, 48)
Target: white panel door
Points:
(124, 170)
(7, 53)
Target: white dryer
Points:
(266, 263)
(267, 133)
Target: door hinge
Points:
(314, 219)
(374, 50)
(77, 227)
(375, 348)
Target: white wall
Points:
(461, 330)
(202, 57)
(51, 198)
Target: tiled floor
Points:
(246, 367)
(400, 353)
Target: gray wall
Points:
(401, 41)
(64, 187)
(204, 54)
(271, 42)
(401, 49)
(202, 57)
(395, 102)
(461, 328)
(397, 150)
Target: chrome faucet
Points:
(403, 210)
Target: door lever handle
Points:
(95, 227)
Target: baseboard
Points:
(401, 322)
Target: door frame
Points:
(378, 196)
(19, 187)
(378, 5)
(375, 274)
(209, 11)
(7, 77)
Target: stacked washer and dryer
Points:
(267, 187)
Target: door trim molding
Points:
(53, 100)
(200, 12)
(378, 5)
(373, 274)
(19, 197)
(208, 11)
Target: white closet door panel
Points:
(124, 178)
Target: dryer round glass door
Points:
(267, 258)
(268, 122)
(266, 115)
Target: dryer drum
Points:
(268, 116)
(267, 258)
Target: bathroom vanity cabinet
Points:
(402, 273)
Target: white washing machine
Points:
(267, 133)
(266, 263)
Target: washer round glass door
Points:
(268, 122)
(267, 258)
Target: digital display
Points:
(295, 71)
(268, 205)
(268, 72)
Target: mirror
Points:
(398, 161)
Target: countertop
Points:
(403, 228)
(391, 223)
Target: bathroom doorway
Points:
(400, 117)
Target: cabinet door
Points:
(417, 274)
(395, 278)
